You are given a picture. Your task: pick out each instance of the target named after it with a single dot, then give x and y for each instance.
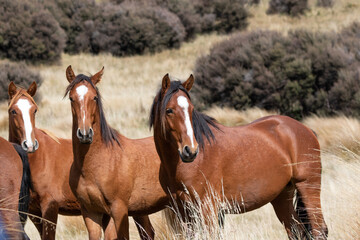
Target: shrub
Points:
(222, 15)
(79, 20)
(300, 74)
(135, 29)
(325, 3)
(29, 32)
(289, 7)
(19, 74)
(185, 10)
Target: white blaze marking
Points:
(24, 106)
(183, 103)
(81, 91)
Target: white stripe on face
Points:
(81, 91)
(24, 106)
(183, 103)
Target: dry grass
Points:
(129, 85)
(343, 13)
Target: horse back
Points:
(293, 139)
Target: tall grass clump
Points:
(28, 32)
(297, 75)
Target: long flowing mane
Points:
(108, 134)
(201, 122)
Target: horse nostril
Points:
(186, 151)
(36, 145)
(79, 134)
(24, 146)
(91, 133)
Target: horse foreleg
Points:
(119, 212)
(144, 227)
(49, 210)
(93, 222)
(108, 227)
(309, 194)
(35, 217)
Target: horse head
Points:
(22, 109)
(84, 99)
(176, 116)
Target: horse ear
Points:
(188, 83)
(32, 89)
(165, 84)
(12, 89)
(97, 77)
(70, 74)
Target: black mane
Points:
(201, 122)
(108, 134)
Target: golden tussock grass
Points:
(129, 85)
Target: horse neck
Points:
(80, 150)
(167, 151)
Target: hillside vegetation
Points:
(130, 83)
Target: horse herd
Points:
(106, 177)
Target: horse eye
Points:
(35, 111)
(13, 112)
(169, 111)
(71, 100)
(95, 98)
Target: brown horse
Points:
(50, 162)
(111, 174)
(265, 161)
(15, 184)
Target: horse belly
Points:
(257, 182)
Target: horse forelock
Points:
(108, 134)
(200, 121)
(21, 93)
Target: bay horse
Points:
(15, 183)
(50, 160)
(111, 174)
(264, 161)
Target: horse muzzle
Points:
(188, 156)
(85, 137)
(30, 148)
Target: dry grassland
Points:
(129, 85)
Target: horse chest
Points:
(90, 196)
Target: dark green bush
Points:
(29, 32)
(19, 74)
(79, 20)
(133, 28)
(325, 3)
(300, 74)
(185, 10)
(222, 15)
(289, 7)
